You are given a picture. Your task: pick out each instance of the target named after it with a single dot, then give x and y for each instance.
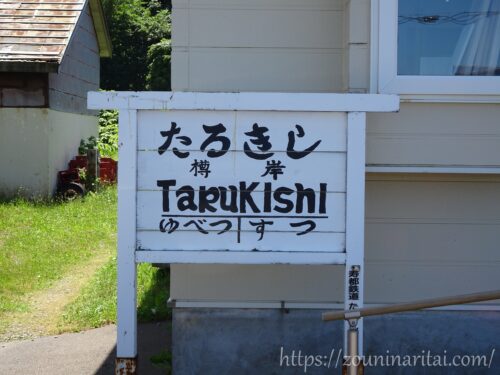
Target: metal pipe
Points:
(352, 347)
(417, 305)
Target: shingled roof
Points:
(34, 34)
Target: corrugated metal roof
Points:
(38, 31)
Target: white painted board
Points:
(241, 181)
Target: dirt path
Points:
(47, 306)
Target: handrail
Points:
(411, 306)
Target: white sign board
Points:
(242, 178)
(241, 182)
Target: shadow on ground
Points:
(153, 341)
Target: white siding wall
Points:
(436, 134)
(258, 45)
(66, 131)
(431, 235)
(23, 150)
(356, 75)
(426, 235)
(35, 144)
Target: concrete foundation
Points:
(272, 341)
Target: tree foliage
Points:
(158, 77)
(139, 30)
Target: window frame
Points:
(389, 82)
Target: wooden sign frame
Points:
(354, 106)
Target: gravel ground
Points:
(88, 352)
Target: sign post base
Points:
(126, 366)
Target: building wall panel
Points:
(23, 151)
(425, 237)
(79, 70)
(435, 134)
(232, 45)
(66, 130)
(356, 72)
(234, 69)
(35, 144)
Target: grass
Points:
(163, 360)
(41, 241)
(96, 305)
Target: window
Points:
(439, 47)
(20, 89)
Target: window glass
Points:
(449, 37)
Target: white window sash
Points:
(389, 82)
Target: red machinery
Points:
(69, 182)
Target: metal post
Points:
(92, 169)
(353, 364)
(352, 346)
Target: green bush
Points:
(107, 143)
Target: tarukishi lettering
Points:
(169, 135)
(260, 203)
(261, 149)
(274, 168)
(261, 141)
(215, 136)
(305, 193)
(310, 224)
(260, 227)
(278, 197)
(201, 168)
(207, 197)
(165, 184)
(246, 197)
(291, 152)
(198, 224)
(169, 226)
(249, 197)
(232, 206)
(186, 198)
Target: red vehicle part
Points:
(108, 170)
(69, 184)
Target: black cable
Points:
(463, 18)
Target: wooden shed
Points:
(49, 60)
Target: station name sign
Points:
(242, 178)
(241, 181)
(239, 178)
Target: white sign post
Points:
(243, 178)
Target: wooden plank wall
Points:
(79, 70)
